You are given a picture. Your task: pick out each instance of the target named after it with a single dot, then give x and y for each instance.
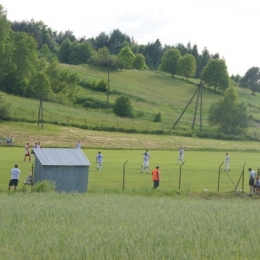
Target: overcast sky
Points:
(228, 27)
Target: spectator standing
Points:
(252, 176)
(99, 161)
(27, 152)
(15, 172)
(257, 184)
(156, 176)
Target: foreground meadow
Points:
(102, 226)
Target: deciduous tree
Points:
(170, 61)
(65, 51)
(81, 52)
(139, 62)
(228, 115)
(186, 66)
(251, 80)
(215, 74)
(127, 57)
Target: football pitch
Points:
(200, 170)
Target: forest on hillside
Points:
(31, 50)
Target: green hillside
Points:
(150, 93)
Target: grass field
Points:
(199, 172)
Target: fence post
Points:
(241, 176)
(180, 175)
(219, 174)
(124, 175)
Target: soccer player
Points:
(181, 155)
(146, 157)
(99, 161)
(27, 152)
(78, 145)
(227, 169)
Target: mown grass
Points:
(199, 172)
(101, 226)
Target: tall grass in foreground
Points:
(101, 226)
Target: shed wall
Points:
(66, 178)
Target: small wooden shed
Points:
(68, 168)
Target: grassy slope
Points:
(150, 92)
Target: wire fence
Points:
(107, 123)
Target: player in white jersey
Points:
(146, 157)
(99, 161)
(181, 155)
(78, 145)
(227, 169)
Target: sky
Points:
(228, 27)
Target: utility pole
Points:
(199, 97)
(107, 88)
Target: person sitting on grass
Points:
(29, 180)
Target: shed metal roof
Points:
(61, 156)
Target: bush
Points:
(91, 103)
(100, 86)
(123, 107)
(157, 118)
(44, 186)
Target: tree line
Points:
(71, 50)
(30, 53)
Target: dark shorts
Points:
(13, 182)
(251, 182)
